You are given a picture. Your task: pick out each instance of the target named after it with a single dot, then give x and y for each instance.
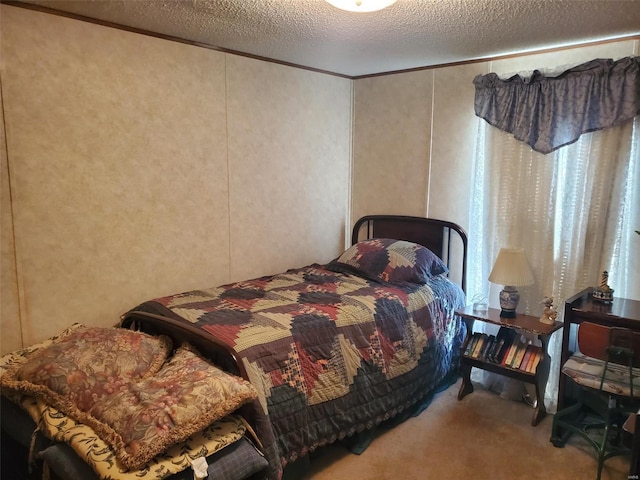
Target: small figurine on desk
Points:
(549, 313)
(603, 293)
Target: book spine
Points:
(478, 347)
(509, 340)
(471, 344)
(517, 358)
(493, 355)
(487, 346)
(536, 360)
(532, 357)
(525, 359)
(512, 352)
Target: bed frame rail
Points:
(205, 343)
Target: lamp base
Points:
(509, 298)
(507, 313)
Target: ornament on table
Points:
(603, 293)
(549, 313)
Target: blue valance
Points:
(549, 112)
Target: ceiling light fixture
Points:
(361, 5)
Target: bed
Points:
(328, 351)
(333, 349)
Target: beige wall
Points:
(139, 167)
(289, 134)
(392, 138)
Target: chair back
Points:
(611, 344)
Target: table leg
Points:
(466, 387)
(566, 334)
(542, 376)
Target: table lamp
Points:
(511, 270)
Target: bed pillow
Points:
(390, 261)
(19, 357)
(85, 364)
(145, 419)
(81, 448)
(119, 383)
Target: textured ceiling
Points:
(408, 34)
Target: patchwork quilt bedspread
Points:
(330, 353)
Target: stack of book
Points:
(507, 348)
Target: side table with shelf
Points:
(523, 323)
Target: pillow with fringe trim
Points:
(112, 382)
(184, 397)
(85, 364)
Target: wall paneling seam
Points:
(17, 289)
(430, 159)
(348, 220)
(226, 138)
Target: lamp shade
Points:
(511, 268)
(361, 5)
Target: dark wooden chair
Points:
(606, 371)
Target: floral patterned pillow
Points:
(184, 397)
(119, 383)
(86, 364)
(100, 456)
(390, 261)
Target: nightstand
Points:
(522, 323)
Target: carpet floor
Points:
(481, 437)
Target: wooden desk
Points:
(581, 308)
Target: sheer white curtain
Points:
(571, 210)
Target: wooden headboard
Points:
(446, 239)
